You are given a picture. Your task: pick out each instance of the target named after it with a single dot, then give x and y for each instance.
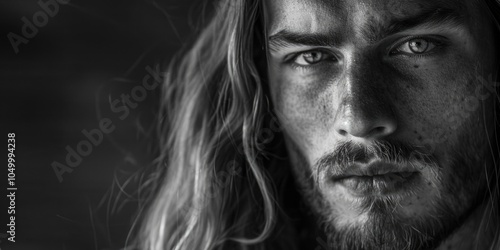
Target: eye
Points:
(311, 57)
(416, 46)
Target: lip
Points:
(378, 179)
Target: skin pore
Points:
(356, 82)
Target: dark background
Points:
(61, 82)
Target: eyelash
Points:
(437, 43)
(328, 54)
(434, 40)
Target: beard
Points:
(388, 231)
(384, 228)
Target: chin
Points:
(419, 214)
(385, 223)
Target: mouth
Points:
(379, 179)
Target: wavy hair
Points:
(214, 186)
(212, 191)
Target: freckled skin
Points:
(416, 100)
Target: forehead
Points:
(319, 16)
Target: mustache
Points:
(348, 153)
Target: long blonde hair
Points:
(212, 191)
(211, 186)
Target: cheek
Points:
(440, 102)
(293, 110)
(301, 106)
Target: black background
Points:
(61, 82)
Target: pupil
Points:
(312, 57)
(418, 46)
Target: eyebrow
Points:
(372, 32)
(437, 17)
(286, 38)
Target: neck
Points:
(478, 231)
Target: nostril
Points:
(379, 130)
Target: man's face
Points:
(385, 111)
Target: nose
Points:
(358, 121)
(364, 111)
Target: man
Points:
(381, 114)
